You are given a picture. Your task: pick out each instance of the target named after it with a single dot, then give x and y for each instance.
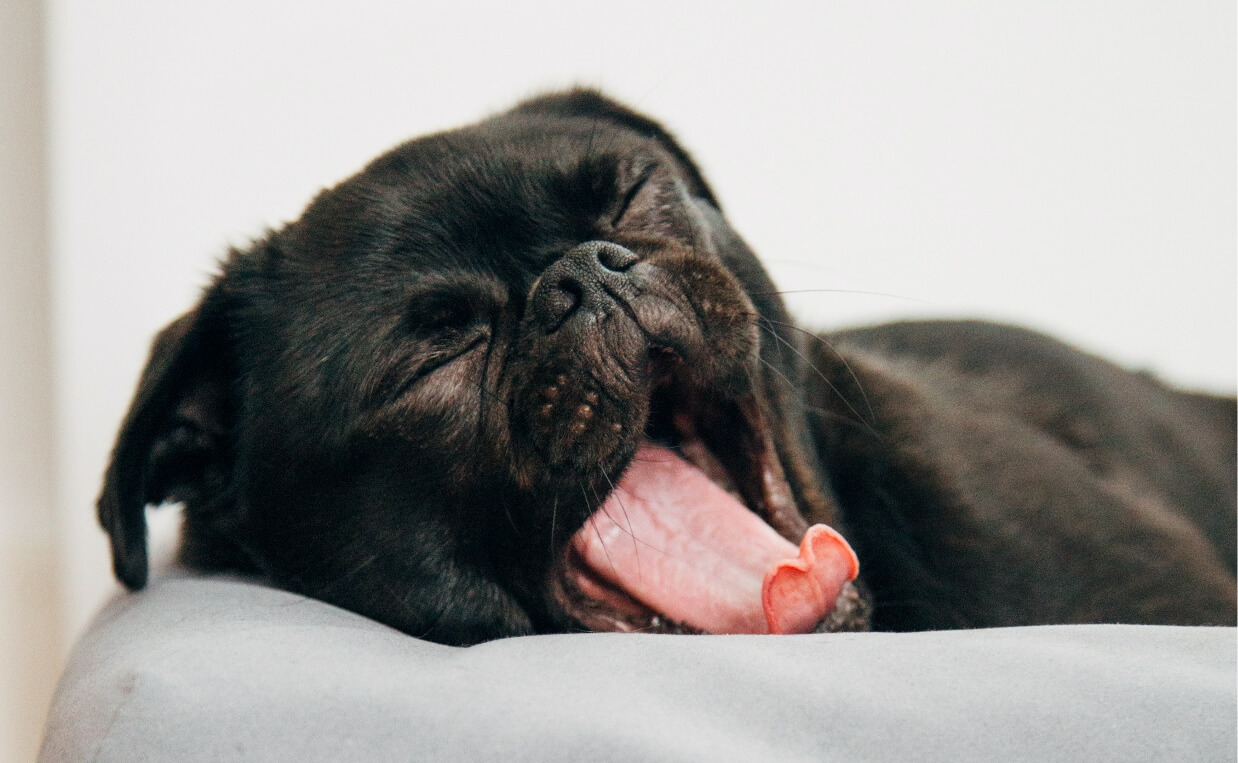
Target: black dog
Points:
(522, 377)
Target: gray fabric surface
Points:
(220, 669)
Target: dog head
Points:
(463, 393)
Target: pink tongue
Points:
(684, 547)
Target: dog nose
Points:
(586, 280)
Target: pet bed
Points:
(218, 668)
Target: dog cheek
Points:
(448, 413)
(727, 321)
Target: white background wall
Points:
(1068, 165)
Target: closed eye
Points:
(447, 347)
(445, 319)
(641, 180)
(424, 359)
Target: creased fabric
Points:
(200, 668)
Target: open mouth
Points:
(702, 534)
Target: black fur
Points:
(380, 405)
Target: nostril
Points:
(615, 257)
(558, 301)
(570, 290)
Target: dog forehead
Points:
(504, 195)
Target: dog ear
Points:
(174, 439)
(589, 103)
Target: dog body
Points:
(1009, 479)
(428, 397)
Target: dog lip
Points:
(777, 504)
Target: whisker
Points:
(854, 377)
(628, 519)
(782, 292)
(859, 416)
(508, 511)
(598, 532)
(833, 414)
(602, 508)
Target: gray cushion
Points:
(198, 668)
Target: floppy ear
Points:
(173, 443)
(586, 102)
